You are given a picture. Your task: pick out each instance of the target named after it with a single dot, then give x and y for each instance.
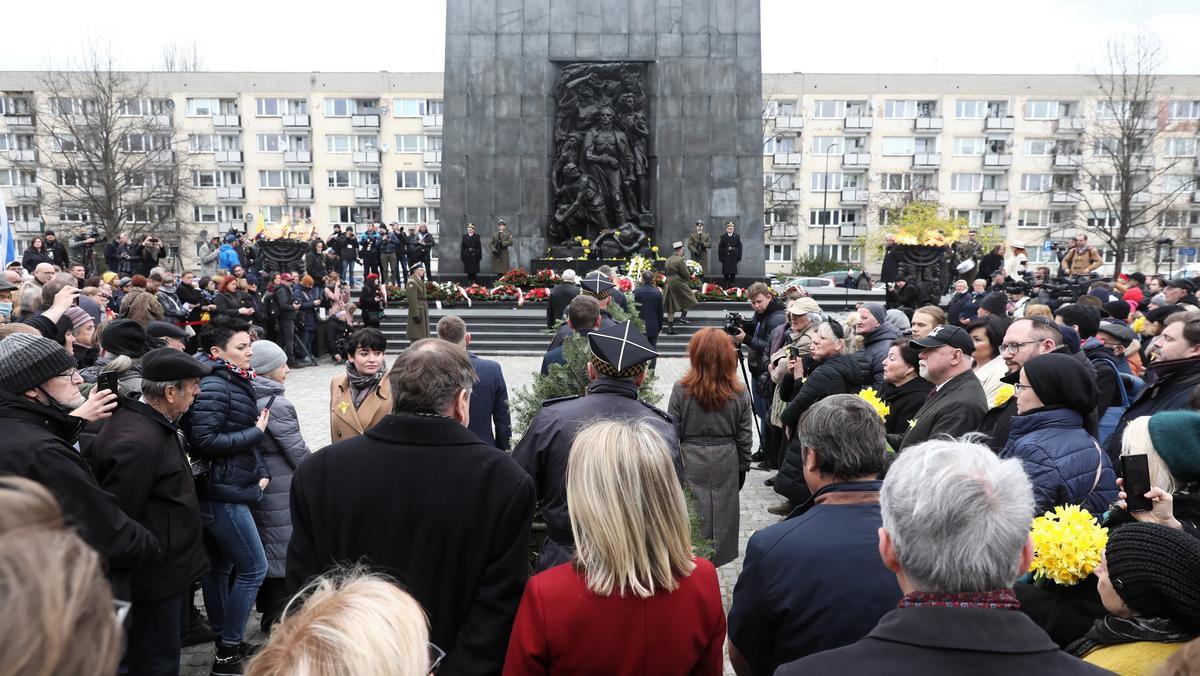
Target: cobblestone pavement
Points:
(308, 389)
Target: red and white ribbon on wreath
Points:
(520, 297)
(463, 292)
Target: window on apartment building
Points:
(230, 214)
(829, 110)
(272, 143)
(270, 107)
(1110, 255)
(1111, 110)
(1103, 219)
(270, 178)
(900, 108)
(1105, 183)
(339, 107)
(408, 143)
(778, 182)
(299, 178)
(298, 142)
(273, 214)
(417, 215)
(229, 178)
(14, 105)
(979, 217)
(143, 106)
(338, 179)
(895, 182)
(833, 216)
(779, 253)
(433, 143)
(363, 143)
(779, 144)
(1183, 110)
(204, 179)
(1036, 182)
(966, 182)
(1179, 146)
(204, 213)
(365, 178)
(966, 109)
(1180, 218)
(203, 107)
(821, 182)
(74, 216)
(1034, 218)
(202, 143)
(828, 145)
(899, 145)
(1178, 183)
(229, 141)
(71, 178)
(1040, 147)
(968, 145)
(337, 143)
(416, 107)
(843, 253)
(1041, 110)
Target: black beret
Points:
(166, 364)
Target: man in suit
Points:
(489, 397)
(956, 403)
(650, 306)
(560, 297)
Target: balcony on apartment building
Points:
(366, 121)
(23, 155)
(1143, 162)
(1137, 198)
(1145, 124)
(1067, 162)
(1070, 125)
(433, 193)
(997, 160)
(786, 159)
(366, 193)
(782, 230)
(928, 125)
(927, 160)
(852, 231)
(366, 157)
(789, 123)
(994, 197)
(300, 193)
(1063, 198)
(787, 195)
(227, 121)
(18, 121)
(26, 226)
(296, 120)
(860, 124)
(432, 158)
(297, 157)
(161, 156)
(228, 157)
(25, 193)
(231, 192)
(162, 121)
(1000, 123)
(856, 160)
(431, 122)
(854, 196)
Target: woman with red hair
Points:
(714, 423)
(231, 300)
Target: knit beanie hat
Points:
(1134, 294)
(1155, 570)
(27, 361)
(78, 316)
(124, 337)
(1062, 380)
(995, 303)
(267, 356)
(1176, 438)
(877, 311)
(1117, 309)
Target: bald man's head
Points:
(43, 272)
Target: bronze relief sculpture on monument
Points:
(600, 169)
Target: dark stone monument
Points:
(924, 266)
(617, 121)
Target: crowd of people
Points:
(154, 455)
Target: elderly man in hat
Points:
(122, 344)
(141, 457)
(593, 286)
(1181, 291)
(699, 243)
(620, 355)
(956, 403)
(418, 307)
(500, 244)
(171, 336)
(41, 416)
(677, 294)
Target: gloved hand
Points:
(741, 479)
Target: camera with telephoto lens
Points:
(734, 322)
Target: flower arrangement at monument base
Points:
(477, 293)
(537, 294)
(505, 292)
(625, 284)
(544, 278)
(1067, 544)
(637, 265)
(516, 277)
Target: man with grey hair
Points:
(489, 398)
(778, 616)
(560, 297)
(955, 532)
(427, 503)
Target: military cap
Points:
(597, 287)
(620, 350)
(415, 266)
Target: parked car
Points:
(805, 282)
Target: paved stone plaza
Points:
(309, 390)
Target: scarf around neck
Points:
(247, 374)
(360, 385)
(1001, 599)
(1113, 630)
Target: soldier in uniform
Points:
(698, 245)
(620, 355)
(599, 288)
(730, 252)
(501, 243)
(470, 253)
(418, 307)
(677, 295)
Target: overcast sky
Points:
(862, 36)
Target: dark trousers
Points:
(287, 337)
(272, 598)
(389, 268)
(306, 339)
(370, 266)
(156, 629)
(729, 278)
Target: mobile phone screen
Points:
(1135, 471)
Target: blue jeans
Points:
(238, 551)
(348, 271)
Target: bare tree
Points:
(181, 58)
(113, 152)
(1117, 185)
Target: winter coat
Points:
(345, 421)
(490, 419)
(501, 242)
(417, 326)
(955, 307)
(904, 402)
(283, 451)
(1171, 385)
(957, 408)
(650, 307)
(876, 345)
(32, 258)
(229, 303)
(715, 447)
(209, 260)
(310, 300)
(221, 429)
(990, 263)
(677, 295)
(471, 252)
(969, 308)
(141, 306)
(907, 297)
(729, 251)
(1061, 460)
(560, 297)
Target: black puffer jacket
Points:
(221, 429)
(840, 374)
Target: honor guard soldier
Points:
(418, 306)
(620, 357)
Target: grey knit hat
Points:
(267, 356)
(27, 361)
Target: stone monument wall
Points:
(703, 75)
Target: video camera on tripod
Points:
(734, 322)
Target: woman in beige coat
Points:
(362, 396)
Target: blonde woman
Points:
(634, 592)
(350, 623)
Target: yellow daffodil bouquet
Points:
(1067, 544)
(868, 395)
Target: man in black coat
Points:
(140, 457)
(287, 305)
(959, 613)
(958, 403)
(458, 540)
(348, 252)
(560, 297)
(56, 250)
(470, 252)
(39, 386)
(650, 306)
(729, 251)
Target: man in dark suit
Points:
(956, 403)
(458, 540)
(583, 317)
(560, 297)
(650, 306)
(729, 250)
(489, 397)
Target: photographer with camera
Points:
(82, 250)
(755, 333)
(148, 254)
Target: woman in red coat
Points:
(634, 600)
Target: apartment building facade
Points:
(838, 151)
